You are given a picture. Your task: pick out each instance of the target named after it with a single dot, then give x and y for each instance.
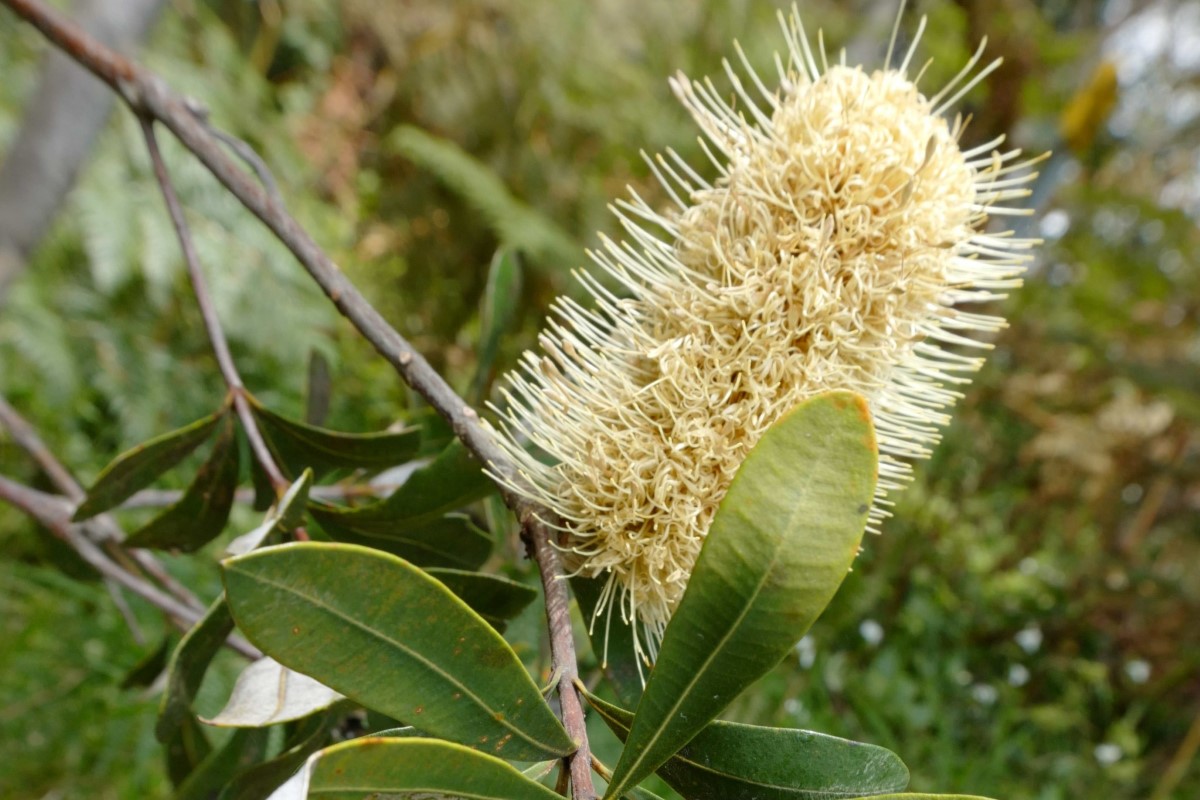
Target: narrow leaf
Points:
(779, 546)
(149, 666)
(382, 632)
(515, 222)
(259, 781)
(612, 640)
(299, 445)
(451, 542)
(202, 512)
(921, 796)
(137, 467)
(267, 693)
(185, 749)
(491, 596)
(242, 750)
(498, 309)
(188, 664)
(412, 768)
(284, 516)
(451, 481)
(731, 761)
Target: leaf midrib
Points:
(492, 713)
(720, 645)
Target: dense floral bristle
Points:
(835, 250)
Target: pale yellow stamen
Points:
(830, 253)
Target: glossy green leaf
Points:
(452, 542)
(188, 664)
(137, 467)
(451, 481)
(284, 516)
(201, 514)
(382, 632)
(612, 641)
(267, 693)
(412, 768)
(501, 299)
(492, 597)
(779, 546)
(241, 751)
(731, 761)
(259, 781)
(298, 445)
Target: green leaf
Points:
(188, 664)
(242, 750)
(451, 481)
(267, 693)
(731, 761)
(516, 223)
(382, 632)
(492, 597)
(612, 640)
(185, 750)
(501, 299)
(452, 542)
(284, 516)
(149, 666)
(919, 796)
(413, 768)
(779, 546)
(298, 445)
(137, 467)
(202, 512)
(259, 781)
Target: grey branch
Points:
(54, 513)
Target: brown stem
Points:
(54, 513)
(149, 97)
(212, 323)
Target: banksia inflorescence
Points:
(833, 251)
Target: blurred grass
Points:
(1025, 626)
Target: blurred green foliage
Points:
(1025, 627)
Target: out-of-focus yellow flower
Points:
(836, 249)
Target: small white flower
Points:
(1107, 753)
(871, 632)
(1138, 670)
(1029, 639)
(835, 249)
(1018, 675)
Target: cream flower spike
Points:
(835, 250)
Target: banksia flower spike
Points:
(836, 249)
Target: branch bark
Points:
(54, 513)
(103, 528)
(212, 323)
(150, 98)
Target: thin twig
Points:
(28, 440)
(54, 513)
(102, 529)
(212, 323)
(149, 97)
